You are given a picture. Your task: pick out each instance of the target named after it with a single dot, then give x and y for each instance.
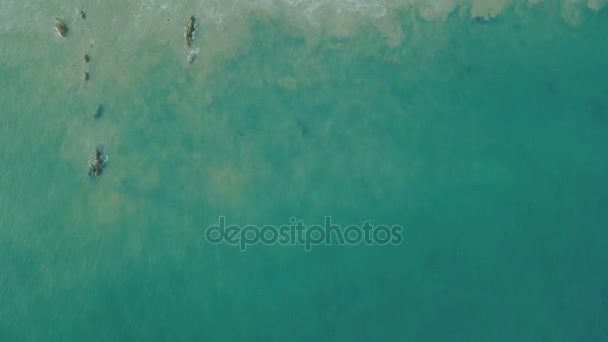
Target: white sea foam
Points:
(136, 20)
(192, 55)
(22, 13)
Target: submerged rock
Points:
(481, 19)
(98, 163)
(98, 112)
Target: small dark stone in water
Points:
(98, 112)
(87, 58)
(98, 162)
(82, 14)
(86, 76)
(481, 19)
(61, 28)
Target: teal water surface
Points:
(485, 140)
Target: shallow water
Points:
(484, 140)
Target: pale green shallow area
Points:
(486, 141)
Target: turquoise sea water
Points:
(486, 141)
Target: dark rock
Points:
(61, 28)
